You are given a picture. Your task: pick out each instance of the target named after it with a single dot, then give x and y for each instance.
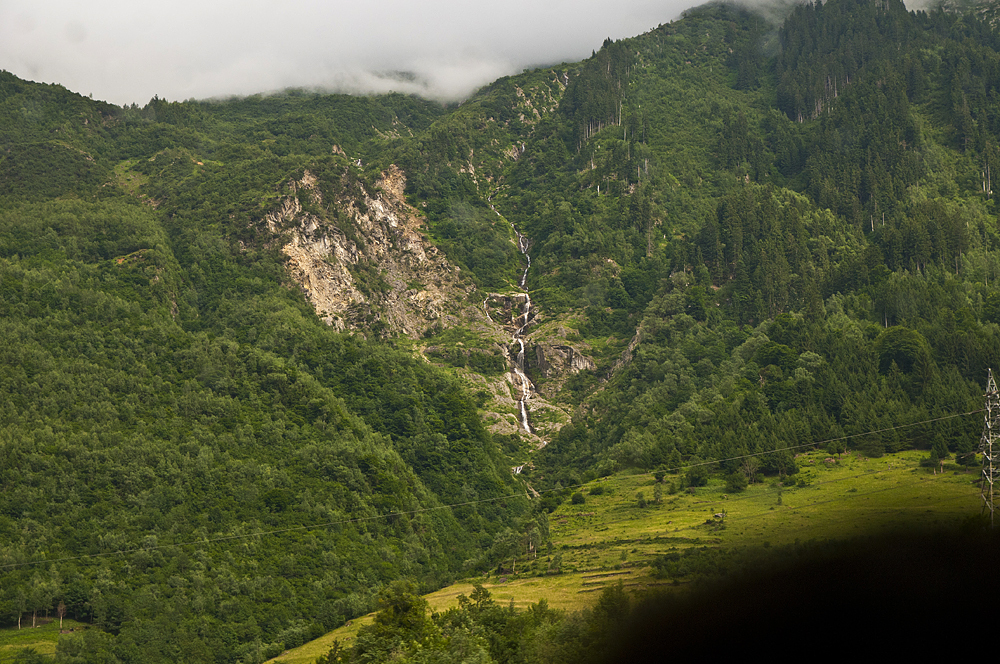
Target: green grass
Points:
(610, 539)
(42, 639)
(848, 498)
(568, 592)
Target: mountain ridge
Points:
(231, 318)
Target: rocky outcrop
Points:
(506, 309)
(366, 266)
(628, 353)
(554, 363)
(371, 270)
(560, 361)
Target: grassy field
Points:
(41, 639)
(610, 538)
(851, 496)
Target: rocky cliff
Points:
(365, 263)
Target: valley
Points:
(720, 293)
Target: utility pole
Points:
(991, 452)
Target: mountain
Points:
(264, 356)
(193, 459)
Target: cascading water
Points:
(524, 384)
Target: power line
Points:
(377, 517)
(834, 440)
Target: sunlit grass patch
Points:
(42, 639)
(839, 499)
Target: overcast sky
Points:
(126, 51)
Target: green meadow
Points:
(610, 539)
(844, 498)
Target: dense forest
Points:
(763, 235)
(214, 473)
(826, 270)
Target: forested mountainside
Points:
(191, 458)
(830, 246)
(263, 356)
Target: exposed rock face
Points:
(505, 309)
(382, 275)
(555, 361)
(627, 354)
(366, 266)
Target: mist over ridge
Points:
(123, 53)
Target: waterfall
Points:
(524, 384)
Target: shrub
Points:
(736, 482)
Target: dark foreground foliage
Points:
(801, 594)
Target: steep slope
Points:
(399, 272)
(799, 200)
(193, 460)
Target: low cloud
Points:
(125, 52)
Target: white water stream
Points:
(524, 384)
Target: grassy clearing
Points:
(458, 336)
(42, 639)
(853, 496)
(128, 179)
(610, 539)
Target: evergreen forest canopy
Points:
(764, 235)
